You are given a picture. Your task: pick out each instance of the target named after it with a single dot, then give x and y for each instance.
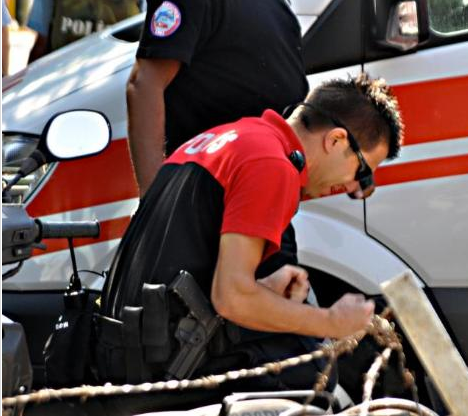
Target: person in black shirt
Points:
(207, 62)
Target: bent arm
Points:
(146, 116)
(238, 297)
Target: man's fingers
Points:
(298, 289)
(359, 300)
(289, 281)
(350, 314)
(369, 307)
(294, 270)
(303, 276)
(355, 297)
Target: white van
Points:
(417, 219)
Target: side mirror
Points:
(75, 134)
(69, 135)
(402, 24)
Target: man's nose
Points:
(354, 191)
(352, 187)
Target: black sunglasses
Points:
(364, 174)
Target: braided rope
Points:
(380, 329)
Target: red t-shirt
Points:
(249, 158)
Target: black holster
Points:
(133, 350)
(172, 335)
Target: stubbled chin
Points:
(306, 196)
(337, 189)
(333, 190)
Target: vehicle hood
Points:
(28, 94)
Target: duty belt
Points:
(146, 334)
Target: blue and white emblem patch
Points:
(166, 20)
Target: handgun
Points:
(194, 331)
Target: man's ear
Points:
(335, 139)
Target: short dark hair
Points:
(366, 106)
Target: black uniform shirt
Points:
(240, 57)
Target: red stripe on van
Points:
(11, 80)
(110, 230)
(434, 110)
(82, 183)
(387, 175)
(420, 170)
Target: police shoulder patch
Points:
(166, 20)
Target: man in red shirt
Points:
(219, 206)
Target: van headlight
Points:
(15, 148)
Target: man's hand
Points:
(350, 314)
(238, 297)
(290, 282)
